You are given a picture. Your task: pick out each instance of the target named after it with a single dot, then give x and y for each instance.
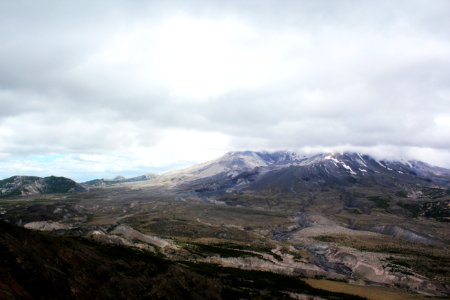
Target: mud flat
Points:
(370, 292)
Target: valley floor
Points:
(242, 245)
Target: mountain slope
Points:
(227, 171)
(287, 171)
(118, 180)
(32, 185)
(230, 165)
(345, 170)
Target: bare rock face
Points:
(368, 266)
(47, 226)
(268, 264)
(404, 234)
(132, 234)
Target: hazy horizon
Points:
(185, 165)
(99, 89)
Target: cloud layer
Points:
(149, 85)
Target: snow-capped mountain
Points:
(285, 170)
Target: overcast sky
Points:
(103, 88)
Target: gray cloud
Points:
(106, 77)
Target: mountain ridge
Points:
(34, 185)
(247, 170)
(238, 169)
(102, 182)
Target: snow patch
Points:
(361, 160)
(348, 168)
(330, 157)
(380, 163)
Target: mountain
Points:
(118, 180)
(338, 170)
(341, 216)
(232, 165)
(288, 171)
(32, 185)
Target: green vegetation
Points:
(24, 179)
(249, 247)
(413, 208)
(301, 255)
(398, 266)
(433, 267)
(55, 185)
(379, 202)
(354, 210)
(439, 210)
(435, 193)
(326, 238)
(259, 247)
(22, 185)
(208, 250)
(401, 194)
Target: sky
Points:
(96, 89)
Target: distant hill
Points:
(33, 185)
(117, 180)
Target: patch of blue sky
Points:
(47, 158)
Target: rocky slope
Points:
(288, 172)
(32, 185)
(118, 180)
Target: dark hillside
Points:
(35, 265)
